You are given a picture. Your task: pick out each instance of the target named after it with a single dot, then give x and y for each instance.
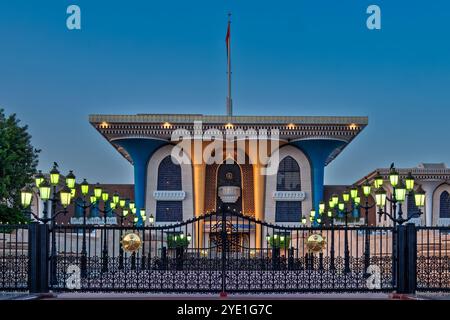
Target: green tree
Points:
(18, 161)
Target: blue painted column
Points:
(318, 151)
(140, 150)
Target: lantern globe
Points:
(303, 220)
(93, 199)
(116, 198)
(122, 203)
(188, 237)
(112, 205)
(26, 195)
(357, 200)
(312, 213)
(400, 192)
(132, 205)
(335, 198)
(341, 206)
(419, 197)
(151, 219)
(321, 207)
(267, 237)
(84, 187)
(330, 214)
(65, 196)
(319, 220)
(39, 178)
(98, 191)
(331, 203)
(367, 189)
(378, 180)
(409, 182)
(125, 212)
(70, 180)
(353, 192)
(393, 177)
(346, 196)
(54, 176)
(44, 190)
(380, 197)
(105, 196)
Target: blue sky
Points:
(289, 58)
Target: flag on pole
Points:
(227, 38)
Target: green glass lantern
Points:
(357, 200)
(341, 206)
(380, 197)
(189, 237)
(331, 203)
(335, 198)
(54, 176)
(84, 187)
(105, 196)
(378, 180)
(98, 191)
(354, 192)
(393, 177)
(122, 203)
(151, 219)
(93, 199)
(321, 207)
(70, 180)
(419, 197)
(312, 213)
(65, 196)
(303, 220)
(125, 212)
(142, 213)
(132, 205)
(409, 182)
(330, 214)
(39, 178)
(400, 192)
(319, 220)
(346, 196)
(44, 190)
(73, 193)
(133, 210)
(116, 198)
(26, 195)
(112, 205)
(367, 189)
(135, 219)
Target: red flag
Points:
(227, 38)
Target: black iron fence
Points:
(224, 252)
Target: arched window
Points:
(169, 179)
(413, 211)
(288, 179)
(169, 175)
(444, 205)
(288, 176)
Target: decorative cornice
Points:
(289, 195)
(169, 195)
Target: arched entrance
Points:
(229, 175)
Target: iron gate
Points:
(224, 252)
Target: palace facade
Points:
(176, 191)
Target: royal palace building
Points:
(176, 190)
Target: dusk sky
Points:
(300, 57)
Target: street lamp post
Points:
(62, 197)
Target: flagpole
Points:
(229, 100)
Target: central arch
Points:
(229, 175)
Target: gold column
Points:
(199, 200)
(259, 190)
